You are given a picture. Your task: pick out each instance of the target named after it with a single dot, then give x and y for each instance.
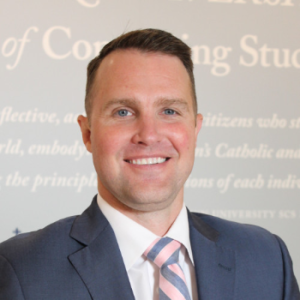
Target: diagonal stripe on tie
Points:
(157, 247)
(176, 280)
(163, 296)
(164, 252)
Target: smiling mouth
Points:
(148, 161)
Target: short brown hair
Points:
(147, 40)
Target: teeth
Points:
(148, 161)
(161, 160)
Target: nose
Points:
(147, 131)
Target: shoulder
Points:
(259, 256)
(52, 238)
(252, 246)
(239, 236)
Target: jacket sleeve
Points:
(291, 289)
(10, 287)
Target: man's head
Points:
(147, 40)
(141, 124)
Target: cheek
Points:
(107, 142)
(183, 139)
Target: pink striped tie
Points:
(164, 252)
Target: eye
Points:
(124, 113)
(169, 111)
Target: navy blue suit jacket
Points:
(79, 258)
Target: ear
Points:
(85, 132)
(199, 119)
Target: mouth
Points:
(148, 160)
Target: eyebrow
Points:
(135, 103)
(180, 102)
(125, 102)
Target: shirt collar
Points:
(133, 239)
(180, 231)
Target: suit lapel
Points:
(214, 265)
(99, 263)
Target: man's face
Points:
(142, 131)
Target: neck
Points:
(158, 222)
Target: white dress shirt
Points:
(134, 239)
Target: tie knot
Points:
(163, 251)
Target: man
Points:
(141, 127)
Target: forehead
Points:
(133, 71)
